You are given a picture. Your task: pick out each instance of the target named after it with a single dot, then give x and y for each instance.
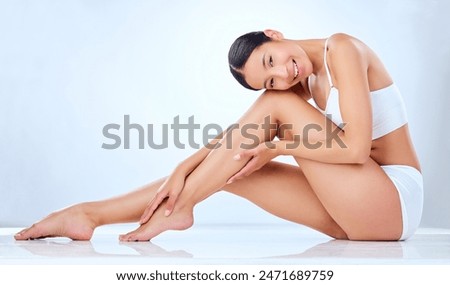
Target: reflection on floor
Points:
(226, 244)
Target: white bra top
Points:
(388, 108)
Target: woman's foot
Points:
(180, 219)
(73, 222)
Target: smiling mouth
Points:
(295, 69)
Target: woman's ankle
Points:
(92, 211)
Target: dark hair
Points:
(241, 50)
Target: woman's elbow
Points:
(359, 155)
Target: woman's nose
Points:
(280, 72)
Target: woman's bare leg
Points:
(360, 198)
(211, 175)
(79, 221)
(364, 204)
(283, 190)
(131, 206)
(278, 188)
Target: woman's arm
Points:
(349, 65)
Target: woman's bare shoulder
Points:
(347, 46)
(343, 40)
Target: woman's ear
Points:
(274, 35)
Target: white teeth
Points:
(295, 70)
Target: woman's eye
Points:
(271, 83)
(270, 61)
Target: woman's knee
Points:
(276, 96)
(273, 103)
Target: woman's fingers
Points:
(244, 154)
(145, 216)
(248, 169)
(170, 204)
(153, 205)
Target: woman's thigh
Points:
(359, 197)
(283, 190)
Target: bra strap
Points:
(326, 64)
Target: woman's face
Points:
(277, 65)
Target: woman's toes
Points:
(138, 237)
(135, 235)
(126, 237)
(20, 235)
(25, 234)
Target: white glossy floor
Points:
(226, 244)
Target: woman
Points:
(333, 107)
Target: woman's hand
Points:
(259, 156)
(171, 188)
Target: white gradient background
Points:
(67, 68)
